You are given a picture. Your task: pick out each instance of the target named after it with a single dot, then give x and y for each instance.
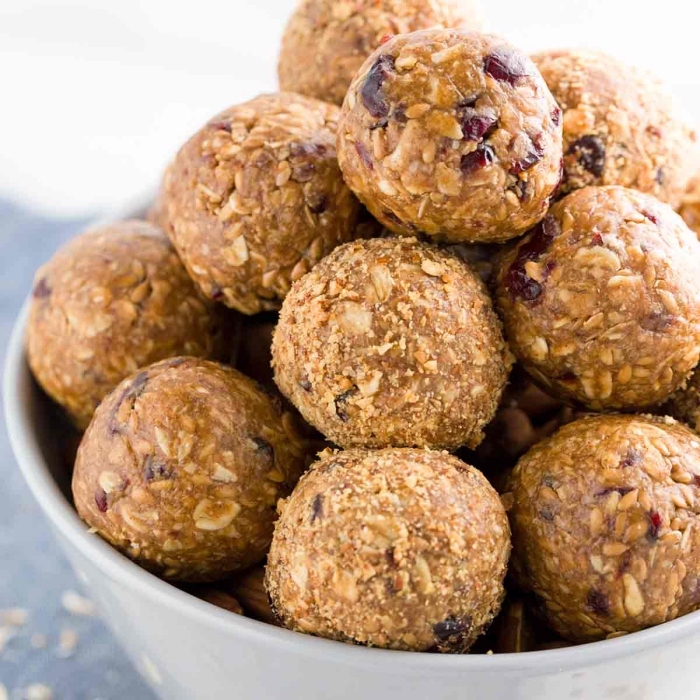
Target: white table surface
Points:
(96, 95)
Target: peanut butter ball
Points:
(601, 301)
(606, 531)
(620, 125)
(113, 299)
(182, 466)
(255, 199)
(396, 548)
(327, 41)
(451, 133)
(391, 342)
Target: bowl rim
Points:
(111, 563)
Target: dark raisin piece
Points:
(220, 125)
(371, 92)
(597, 602)
(41, 289)
(631, 459)
(453, 632)
(317, 507)
(476, 126)
(590, 152)
(532, 157)
(381, 124)
(155, 469)
(101, 500)
(318, 204)
(264, 447)
(399, 114)
(556, 116)
(659, 177)
(364, 155)
(341, 408)
(305, 384)
(506, 65)
(484, 155)
(654, 525)
(651, 216)
(518, 282)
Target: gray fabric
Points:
(33, 572)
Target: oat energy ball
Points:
(690, 205)
(601, 301)
(685, 403)
(182, 467)
(452, 133)
(397, 548)
(606, 531)
(391, 342)
(112, 300)
(327, 41)
(620, 125)
(255, 198)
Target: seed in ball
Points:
(392, 342)
(601, 301)
(182, 467)
(605, 525)
(112, 300)
(451, 133)
(255, 199)
(396, 548)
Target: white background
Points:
(96, 95)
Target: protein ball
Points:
(396, 548)
(255, 199)
(690, 205)
(620, 125)
(451, 133)
(182, 466)
(601, 301)
(391, 343)
(327, 41)
(605, 525)
(112, 300)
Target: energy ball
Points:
(606, 531)
(601, 302)
(451, 133)
(620, 125)
(391, 343)
(182, 466)
(690, 205)
(255, 199)
(327, 41)
(685, 403)
(396, 548)
(112, 300)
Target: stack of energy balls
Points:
(466, 207)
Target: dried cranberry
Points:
(631, 459)
(696, 479)
(590, 152)
(265, 448)
(385, 38)
(484, 155)
(371, 92)
(318, 204)
(596, 239)
(651, 216)
(341, 404)
(317, 507)
(654, 525)
(101, 500)
(533, 156)
(506, 65)
(41, 289)
(597, 602)
(556, 116)
(477, 126)
(364, 155)
(518, 282)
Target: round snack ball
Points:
(182, 466)
(112, 300)
(255, 198)
(452, 133)
(690, 205)
(685, 403)
(397, 548)
(620, 125)
(601, 301)
(391, 343)
(327, 41)
(606, 531)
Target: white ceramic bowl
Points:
(190, 650)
